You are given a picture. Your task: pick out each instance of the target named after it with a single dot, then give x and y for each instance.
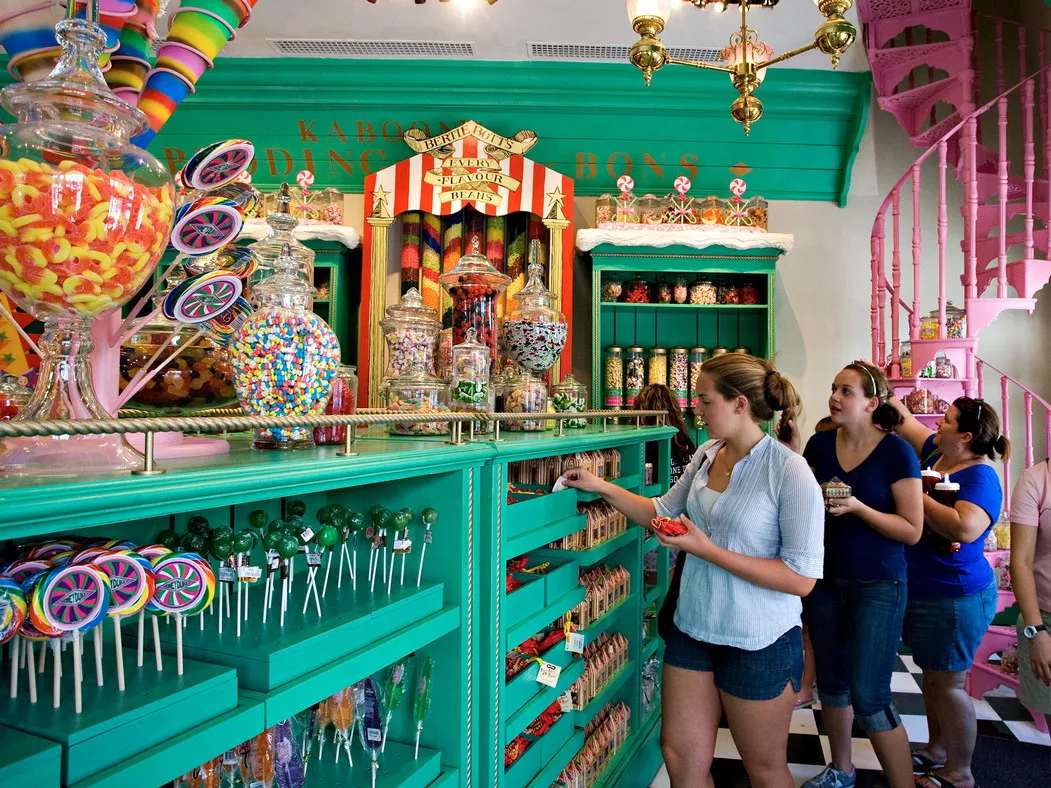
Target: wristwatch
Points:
(1030, 632)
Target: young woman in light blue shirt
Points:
(755, 520)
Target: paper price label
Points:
(313, 559)
(575, 643)
(275, 563)
(227, 574)
(257, 784)
(565, 701)
(250, 572)
(307, 535)
(428, 537)
(548, 674)
(271, 556)
(374, 734)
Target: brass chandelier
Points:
(746, 56)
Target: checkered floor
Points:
(999, 715)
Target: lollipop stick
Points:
(134, 313)
(145, 375)
(178, 643)
(15, 651)
(390, 577)
(157, 644)
(386, 725)
(119, 647)
(375, 570)
(419, 730)
(354, 566)
(42, 658)
(317, 599)
(138, 325)
(375, 768)
(200, 620)
(142, 626)
(328, 569)
(342, 553)
(401, 581)
(56, 679)
(97, 635)
(21, 331)
(419, 574)
(284, 598)
(31, 670)
(384, 556)
(291, 572)
(266, 593)
(228, 595)
(238, 581)
(78, 674)
(222, 590)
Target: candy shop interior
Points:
(289, 298)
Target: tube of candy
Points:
(422, 703)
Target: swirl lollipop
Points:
(234, 259)
(195, 161)
(12, 616)
(682, 184)
(221, 164)
(131, 584)
(737, 187)
(45, 552)
(206, 226)
(23, 570)
(181, 587)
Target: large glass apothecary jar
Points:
(698, 355)
(282, 224)
(474, 286)
(613, 377)
(535, 333)
(679, 374)
(342, 402)
(634, 374)
(471, 389)
(410, 330)
(527, 395)
(658, 367)
(418, 391)
(570, 396)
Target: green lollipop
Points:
(198, 525)
(272, 539)
(337, 509)
(287, 547)
(222, 532)
(327, 536)
(401, 520)
(276, 526)
(324, 514)
(375, 508)
(296, 508)
(244, 541)
(222, 549)
(193, 543)
(257, 519)
(429, 516)
(355, 521)
(169, 539)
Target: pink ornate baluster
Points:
(876, 265)
(881, 290)
(1029, 161)
(970, 157)
(1002, 169)
(976, 66)
(1045, 96)
(917, 258)
(1028, 428)
(968, 372)
(1005, 413)
(895, 278)
(943, 230)
(979, 372)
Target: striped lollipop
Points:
(737, 187)
(131, 583)
(21, 571)
(44, 552)
(625, 183)
(72, 598)
(12, 608)
(682, 184)
(182, 587)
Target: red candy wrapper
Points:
(668, 527)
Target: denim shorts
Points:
(944, 632)
(855, 627)
(748, 675)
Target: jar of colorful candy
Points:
(650, 209)
(13, 397)
(758, 212)
(664, 293)
(284, 357)
(658, 368)
(611, 289)
(613, 377)
(905, 360)
(411, 330)
(703, 292)
(942, 366)
(341, 403)
(474, 287)
(570, 396)
(637, 291)
(680, 291)
(679, 374)
(470, 389)
(698, 355)
(535, 333)
(331, 206)
(528, 395)
(418, 391)
(748, 293)
(634, 374)
(605, 209)
(713, 211)
(920, 401)
(955, 322)
(726, 292)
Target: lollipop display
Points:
(131, 583)
(182, 587)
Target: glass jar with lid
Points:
(742, 349)
(748, 293)
(613, 377)
(282, 224)
(637, 291)
(713, 211)
(418, 391)
(658, 367)
(680, 290)
(650, 209)
(527, 394)
(470, 389)
(331, 206)
(342, 402)
(679, 374)
(474, 287)
(611, 288)
(570, 396)
(664, 292)
(634, 374)
(698, 355)
(758, 213)
(13, 396)
(727, 292)
(720, 351)
(905, 360)
(955, 323)
(284, 357)
(605, 209)
(703, 291)
(535, 333)
(943, 367)
(410, 330)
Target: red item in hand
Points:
(668, 527)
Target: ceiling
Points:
(505, 30)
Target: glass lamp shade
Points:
(652, 8)
(750, 51)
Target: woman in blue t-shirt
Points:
(854, 613)
(952, 589)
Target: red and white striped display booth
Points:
(464, 175)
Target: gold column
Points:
(556, 223)
(380, 221)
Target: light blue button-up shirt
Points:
(772, 509)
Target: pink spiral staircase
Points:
(929, 61)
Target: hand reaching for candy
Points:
(667, 527)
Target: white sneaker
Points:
(832, 777)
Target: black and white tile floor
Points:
(999, 715)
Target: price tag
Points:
(275, 564)
(565, 701)
(271, 556)
(307, 535)
(227, 574)
(374, 734)
(250, 573)
(313, 559)
(548, 674)
(257, 784)
(575, 642)
(402, 545)
(428, 537)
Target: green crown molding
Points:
(343, 119)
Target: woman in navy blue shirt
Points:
(854, 613)
(952, 589)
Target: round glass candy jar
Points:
(536, 332)
(342, 402)
(471, 388)
(411, 331)
(284, 357)
(418, 391)
(282, 224)
(613, 377)
(698, 355)
(679, 374)
(658, 367)
(474, 286)
(605, 209)
(71, 255)
(634, 374)
(570, 396)
(527, 395)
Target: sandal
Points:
(921, 764)
(938, 782)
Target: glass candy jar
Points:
(955, 322)
(418, 391)
(13, 397)
(703, 291)
(342, 402)
(411, 331)
(658, 368)
(71, 257)
(611, 289)
(637, 291)
(284, 357)
(282, 224)
(664, 292)
(726, 292)
(905, 361)
(331, 206)
(605, 209)
(748, 293)
(613, 377)
(570, 396)
(758, 213)
(680, 291)
(535, 333)
(527, 395)
(471, 389)
(698, 355)
(650, 209)
(942, 366)
(713, 211)
(679, 374)
(474, 287)
(634, 374)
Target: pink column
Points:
(1003, 168)
(970, 158)
(917, 256)
(1028, 428)
(895, 296)
(979, 372)
(881, 289)
(943, 230)
(1005, 415)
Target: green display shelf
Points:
(650, 647)
(524, 687)
(267, 656)
(595, 554)
(180, 754)
(638, 759)
(523, 517)
(114, 726)
(518, 721)
(624, 482)
(653, 490)
(29, 760)
(651, 595)
(650, 543)
(543, 534)
(525, 768)
(606, 621)
(449, 778)
(556, 737)
(397, 768)
(529, 597)
(532, 624)
(559, 762)
(605, 695)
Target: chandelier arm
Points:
(698, 64)
(786, 55)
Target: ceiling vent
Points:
(601, 54)
(312, 47)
